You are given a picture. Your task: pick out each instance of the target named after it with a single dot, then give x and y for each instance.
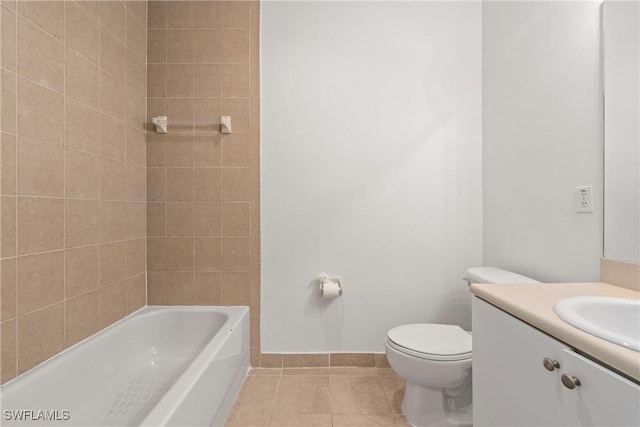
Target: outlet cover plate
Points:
(584, 199)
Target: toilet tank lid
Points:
(496, 275)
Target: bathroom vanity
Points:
(532, 369)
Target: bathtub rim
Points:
(61, 354)
(146, 311)
(173, 398)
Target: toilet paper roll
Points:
(331, 290)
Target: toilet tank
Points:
(495, 275)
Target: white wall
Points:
(622, 130)
(371, 168)
(542, 138)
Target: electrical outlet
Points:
(584, 199)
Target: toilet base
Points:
(426, 407)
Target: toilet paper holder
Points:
(325, 279)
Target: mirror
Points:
(621, 29)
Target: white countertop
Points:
(533, 304)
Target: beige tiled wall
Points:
(73, 173)
(203, 221)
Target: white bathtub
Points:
(160, 366)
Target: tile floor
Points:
(319, 397)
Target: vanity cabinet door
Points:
(511, 387)
(603, 398)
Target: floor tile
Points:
(386, 372)
(248, 419)
(257, 395)
(362, 372)
(303, 394)
(319, 397)
(353, 371)
(394, 391)
(299, 420)
(358, 395)
(401, 421)
(363, 421)
(265, 372)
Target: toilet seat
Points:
(431, 341)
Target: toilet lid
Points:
(432, 341)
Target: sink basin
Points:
(613, 319)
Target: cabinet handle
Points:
(550, 364)
(569, 381)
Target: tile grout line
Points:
(16, 352)
(222, 139)
(146, 55)
(100, 308)
(64, 176)
(275, 398)
(251, 172)
(126, 183)
(166, 153)
(193, 148)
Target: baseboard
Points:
(322, 360)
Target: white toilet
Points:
(435, 361)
